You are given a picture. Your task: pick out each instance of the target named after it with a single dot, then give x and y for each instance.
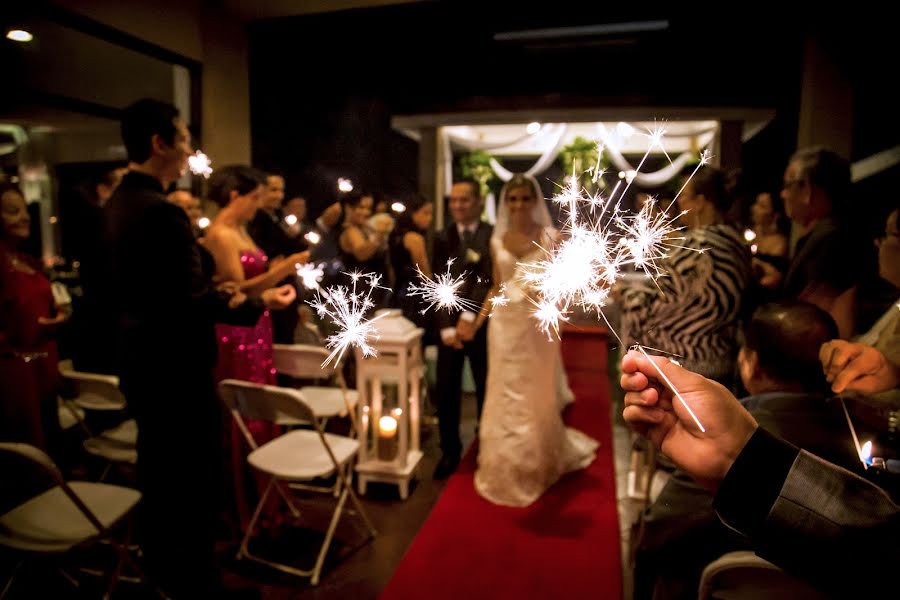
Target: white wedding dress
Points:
(524, 447)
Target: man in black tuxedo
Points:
(468, 241)
(166, 310)
(270, 233)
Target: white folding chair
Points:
(66, 516)
(742, 575)
(96, 392)
(303, 361)
(300, 455)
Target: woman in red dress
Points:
(28, 320)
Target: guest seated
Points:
(825, 266)
(694, 311)
(806, 515)
(770, 244)
(779, 366)
(884, 335)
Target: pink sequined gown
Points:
(246, 353)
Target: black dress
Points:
(405, 275)
(376, 264)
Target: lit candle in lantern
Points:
(387, 438)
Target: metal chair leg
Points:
(335, 517)
(287, 500)
(243, 549)
(12, 576)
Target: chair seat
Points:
(118, 444)
(69, 415)
(93, 401)
(325, 402)
(50, 522)
(299, 455)
(329, 401)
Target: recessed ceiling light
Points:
(19, 35)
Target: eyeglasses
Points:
(789, 183)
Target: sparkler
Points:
(310, 274)
(671, 387)
(442, 291)
(199, 164)
(581, 269)
(346, 308)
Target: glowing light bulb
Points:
(19, 35)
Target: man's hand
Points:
(280, 297)
(465, 330)
(766, 274)
(450, 338)
(233, 289)
(652, 410)
(852, 367)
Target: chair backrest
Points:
(743, 574)
(38, 458)
(94, 388)
(302, 361)
(264, 402)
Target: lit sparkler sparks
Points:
(199, 164)
(310, 274)
(597, 241)
(442, 291)
(346, 308)
(500, 299)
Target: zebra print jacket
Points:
(693, 310)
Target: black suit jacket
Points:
(477, 266)
(166, 305)
(269, 234)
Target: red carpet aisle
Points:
(566, 545)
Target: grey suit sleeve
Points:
(825, 524)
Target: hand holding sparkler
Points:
(653, 410)
(279, 297)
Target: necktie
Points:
(466, 241)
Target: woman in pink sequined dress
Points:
(244, 352)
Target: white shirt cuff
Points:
(448, 334)
(468, 316)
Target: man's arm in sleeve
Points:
(810, 517)
(181, 286)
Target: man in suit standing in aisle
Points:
(166, 310)
(467, 241)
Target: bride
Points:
(524, 447)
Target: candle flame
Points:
(387, 425)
